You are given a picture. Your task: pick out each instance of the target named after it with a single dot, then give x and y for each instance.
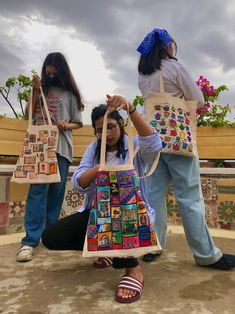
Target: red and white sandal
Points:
(103, 262)
(131, 284)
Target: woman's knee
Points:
(47, 239)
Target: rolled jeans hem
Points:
(30, 244)
(209, 260)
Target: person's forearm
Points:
(74, 126)
(88, 177)
(143, 128)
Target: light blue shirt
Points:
(149, 146)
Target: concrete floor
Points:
(64, 282)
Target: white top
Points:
(176, 79)
(112, 159)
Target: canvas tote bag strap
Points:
(161, 83)
(44, 107)
(154, 164)
(104, 135)
(42, 111)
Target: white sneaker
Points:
(25, 253)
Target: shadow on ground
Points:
(64, 282)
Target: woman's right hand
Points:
(36, 82)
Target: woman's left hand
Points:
(61, 124)
(117, 102)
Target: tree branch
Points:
(9, 104)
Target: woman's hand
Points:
(62, 125)
(36, 82)
(117, 102)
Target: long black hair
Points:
(99, 112)
(65, 77)
(151, 62)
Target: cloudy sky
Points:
(99, 39)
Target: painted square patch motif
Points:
(129, 228)
(117, 240)
(105, 240)
(125, 178)
(103, 193)
(129, 212)
(103, 178)
(115, 212)
(92, 244)
(127, 195)
(116, 224)
(92, 231)
(103, 209)
(130, 242)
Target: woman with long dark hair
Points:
(44, 201)
(158, 51)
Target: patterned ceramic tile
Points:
(209, 188)
(226, 203)
(211, 213)
(16, 209)
(173, 216)
(226, 214)
(73, 200)
(15, 228)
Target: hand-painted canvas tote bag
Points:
(37, 162)
(175, 120)
(118, 224)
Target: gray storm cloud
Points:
(202, 29)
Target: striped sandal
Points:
(103, 262)
(131, 284)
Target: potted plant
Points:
(215, 132)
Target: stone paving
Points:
(63, 282)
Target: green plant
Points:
(22, 84)
(139, 100)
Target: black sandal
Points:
(150, 257)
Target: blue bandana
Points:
(149, 40)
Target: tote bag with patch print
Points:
(175, 120)
(37, 162)
(118, 224)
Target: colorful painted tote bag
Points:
(118, 224)
(175, 120)
(37, 162)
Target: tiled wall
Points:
(219, 195)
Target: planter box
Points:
(12, 132)
(213, 143)
(216, 143)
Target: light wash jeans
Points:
(183, 173)
(43, 205)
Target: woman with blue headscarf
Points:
(158, 51)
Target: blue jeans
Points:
(43, 205)
(184, 174)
